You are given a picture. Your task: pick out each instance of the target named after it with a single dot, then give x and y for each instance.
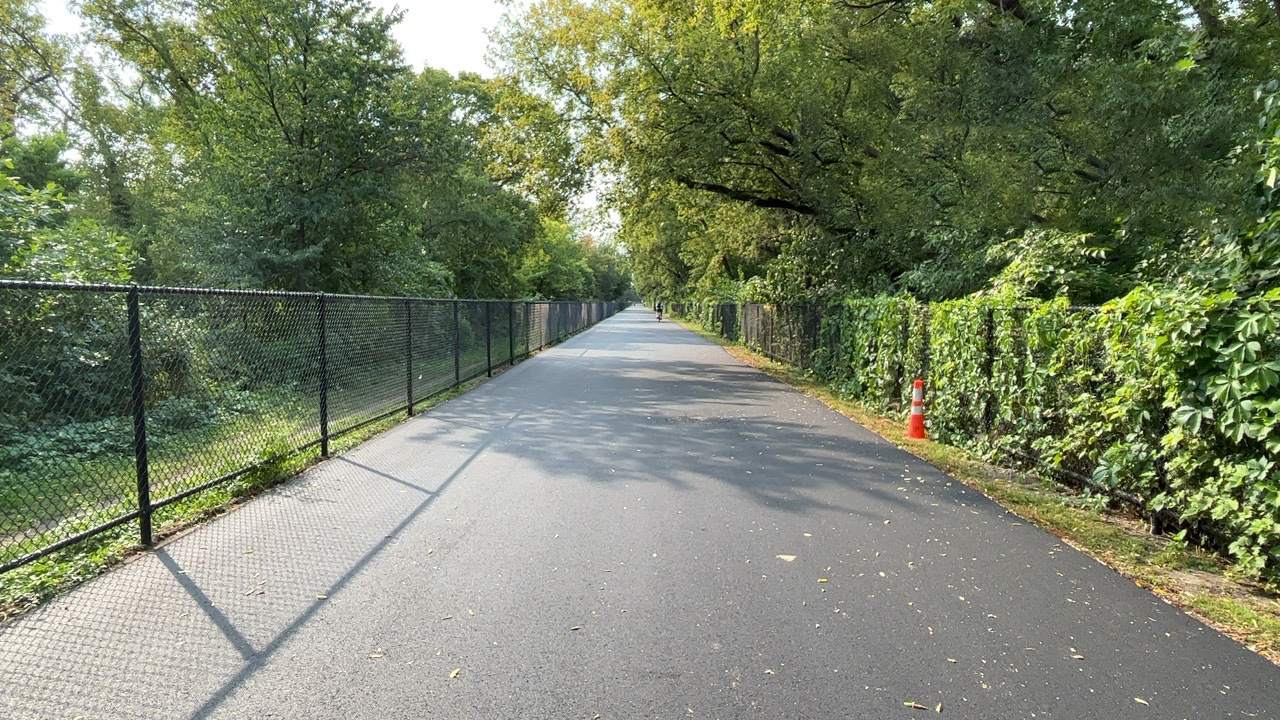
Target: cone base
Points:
(915, 428)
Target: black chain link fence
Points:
(977, 371)
(786, 333)
(116, 401)
(879, 365)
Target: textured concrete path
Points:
(629, 525)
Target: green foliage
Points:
(38, 161)
(899, 146)
(294, 148)
(273, 144)
(79, 251)
(560, 266)
(555, 266)
(30, 62)
(1046, 263)
(868, 349)
(1223, 449)
(23, 212)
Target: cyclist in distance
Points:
(658, 307)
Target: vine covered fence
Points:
(1163, 400)
(118, 401)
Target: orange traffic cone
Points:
(915, 423)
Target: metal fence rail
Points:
(117, 401)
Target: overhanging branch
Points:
(751, 198)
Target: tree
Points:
(295, 120)
(555, 265)
(30, 64)
(890, 135)
(473, 222)
(275, 144)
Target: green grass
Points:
(56, 496)
(1193, 579)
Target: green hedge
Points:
(1165, 398)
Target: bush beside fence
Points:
(116, 401)
(1164, 400)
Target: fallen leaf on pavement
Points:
(822, 580)
(1140, 701)
(456, 672)
(787, 558)
(377, 654)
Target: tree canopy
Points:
(939, 147)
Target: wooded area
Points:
(281, 145)
(774, 150)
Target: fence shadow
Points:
(185, 625)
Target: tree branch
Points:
(751, 198)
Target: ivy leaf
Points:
(1189, 418)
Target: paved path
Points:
(607, 531)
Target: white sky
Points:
(447, 34)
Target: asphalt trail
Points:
(632, 524)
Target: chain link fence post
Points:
(138, 400)
(988, 370)
(926, 350)
(488, 338)
(408, 354)
(511, 333)
(457, 346)
(324, 376)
